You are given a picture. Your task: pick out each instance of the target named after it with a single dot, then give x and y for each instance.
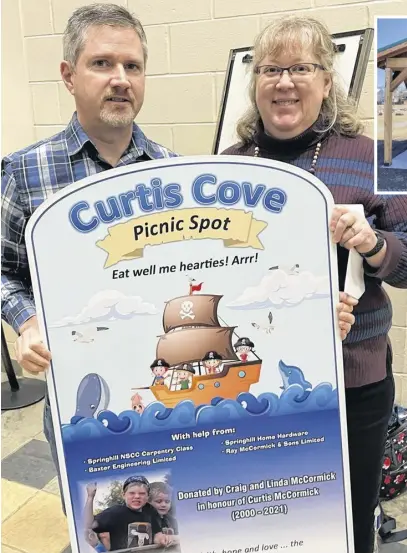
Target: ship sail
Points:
(191, 311)
(191, 344)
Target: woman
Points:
(299, 115)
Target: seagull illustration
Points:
(87, 336)
(294, 270)
(265, 328)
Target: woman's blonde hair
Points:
(338, 112)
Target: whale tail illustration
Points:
(93, 396)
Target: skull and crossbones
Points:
(187, 310)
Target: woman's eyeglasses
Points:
(297, 72)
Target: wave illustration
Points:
(157, 417)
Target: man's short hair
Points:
(97, 15)
(159, 487)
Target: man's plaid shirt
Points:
(29, 177)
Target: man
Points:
(105, 55)
(124, 522)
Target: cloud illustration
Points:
(109, 305)
(281, 289)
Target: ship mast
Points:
(191, 329)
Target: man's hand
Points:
(345, 317)
(31, 352)
(91, 489)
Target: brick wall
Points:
(189, 43)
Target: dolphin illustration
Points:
(294, 375)
(93, 396)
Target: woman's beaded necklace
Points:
(314, 159)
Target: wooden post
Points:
(388, 119)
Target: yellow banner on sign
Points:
(237, 229)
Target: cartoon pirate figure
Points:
(184, 375)
(159, 368)
(243, 347)
(211, 362)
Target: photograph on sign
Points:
(391, 105)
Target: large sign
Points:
(197, 382)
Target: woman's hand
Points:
(351, 230)
(345, 317)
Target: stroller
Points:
(394, 474)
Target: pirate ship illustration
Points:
(192, 337)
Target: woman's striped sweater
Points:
(346, 166)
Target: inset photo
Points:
(391, 112)
(128, 513)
